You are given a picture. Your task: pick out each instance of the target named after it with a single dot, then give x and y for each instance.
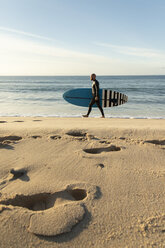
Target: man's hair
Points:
(93, 76)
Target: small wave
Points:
(80, 115)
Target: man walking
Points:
(95, 98)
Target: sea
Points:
(42, 96)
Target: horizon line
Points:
(78, 75)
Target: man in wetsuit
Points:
(95, 94)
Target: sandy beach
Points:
(76, 182)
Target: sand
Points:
(74, 182)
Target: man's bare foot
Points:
(85, 115)
(102, 116)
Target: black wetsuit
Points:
(95, 93)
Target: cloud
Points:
(9, 30)
(20, 56)
(134, 51)
(23, 56)
(12, 46)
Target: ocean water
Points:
(42, 96)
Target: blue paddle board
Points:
(82, 97)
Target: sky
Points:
(80, 37)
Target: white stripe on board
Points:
(103, 95)
(108, 98)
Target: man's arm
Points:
(97, 90)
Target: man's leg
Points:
(92, 102)
(100, 108)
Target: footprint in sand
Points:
(99, 150)
(13, 175)
(45, 201)
(104, 142)
(10, 138)
(100, 165)
(5, 145)
(37, 120)
(19, 173)
(156, 142)
(55, 137)
(3, 121)
(56, 213)
(81, 135)
(6, 140)
(36, 136)
(76, 133)
(18, 121)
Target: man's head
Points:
(93, 77)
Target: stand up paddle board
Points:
(82, 97)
